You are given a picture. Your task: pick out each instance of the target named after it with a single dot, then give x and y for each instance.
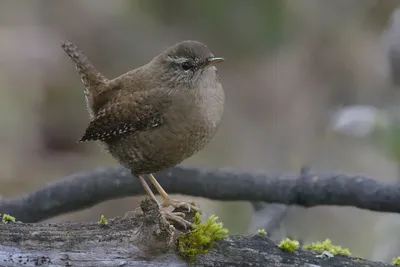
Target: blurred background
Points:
(289, 65)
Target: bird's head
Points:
(186, 65)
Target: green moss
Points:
(262, 232)
(7, 218)
(327, 246)
(396, 261)
(103, 220)
(289, 245)
(201, 237)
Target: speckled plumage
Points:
(155, 116)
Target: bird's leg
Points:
(149, 193)
(168, 201)
(147, 189)
(171, 216)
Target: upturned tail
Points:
(89, 75)
(95, 83)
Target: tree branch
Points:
(307, 189)
(141, 241)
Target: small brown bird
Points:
(157, 115)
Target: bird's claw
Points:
(180, 214)
(178, 217)
(180, 204)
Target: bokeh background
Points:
(290, 63)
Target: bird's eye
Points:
(187, 66)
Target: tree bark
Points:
(146, 240)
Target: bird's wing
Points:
(127, 113)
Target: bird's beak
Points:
(213, 61)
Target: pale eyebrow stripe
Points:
(177, 59)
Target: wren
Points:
(157, 115)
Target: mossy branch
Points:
(146, 241)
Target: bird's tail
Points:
(89, 75)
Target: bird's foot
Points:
(190, 206)
(177, 218)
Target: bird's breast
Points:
(188, 126)
(199, 119)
